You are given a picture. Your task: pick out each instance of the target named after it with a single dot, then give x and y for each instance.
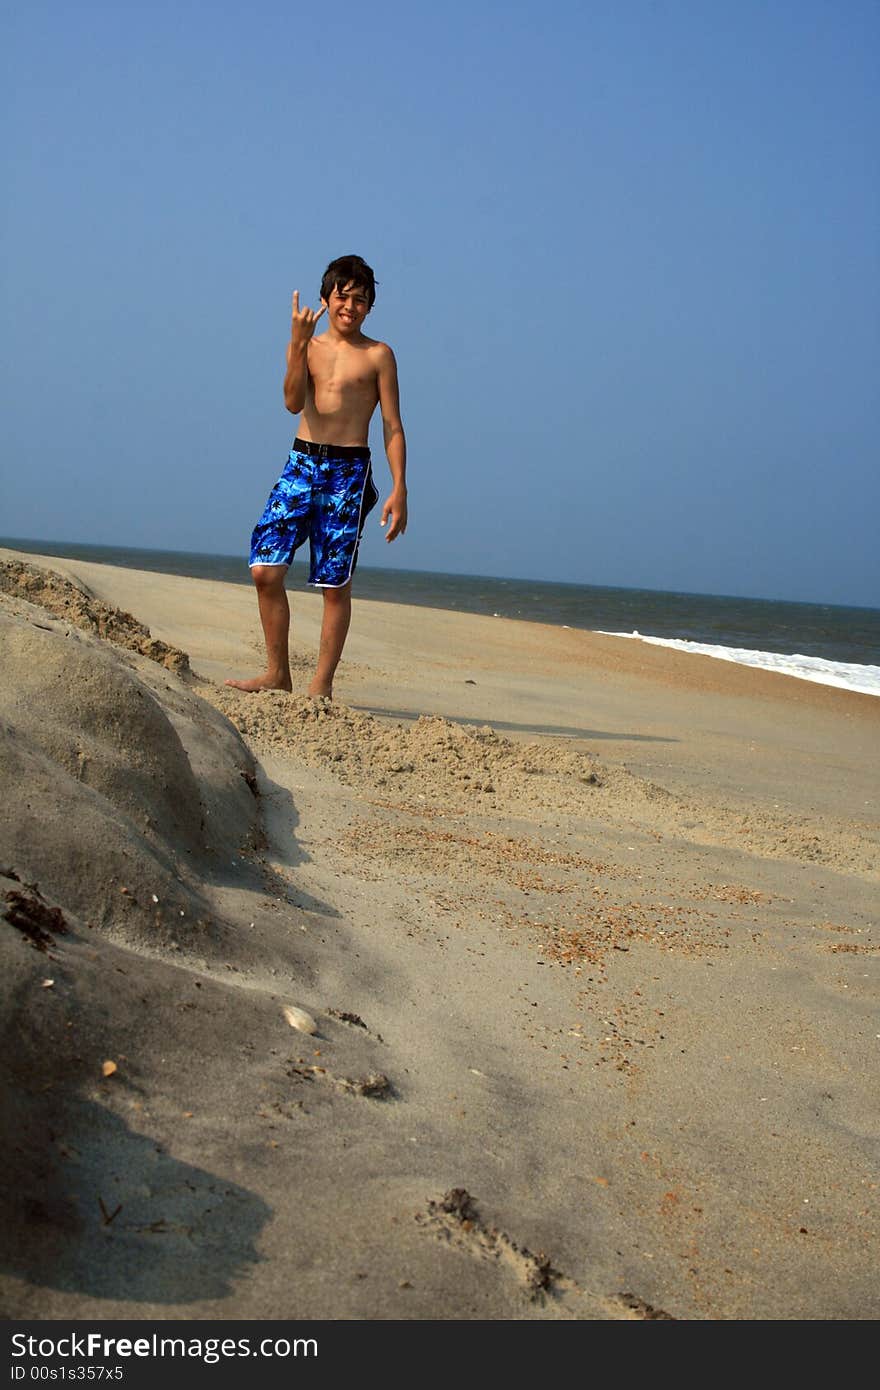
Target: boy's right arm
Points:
(296, 379)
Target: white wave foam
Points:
(845, 675)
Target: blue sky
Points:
(627, 256)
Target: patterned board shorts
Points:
(324, 496)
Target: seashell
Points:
(299, 1019)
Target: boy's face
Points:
(347, 308)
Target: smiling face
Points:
(347, 308)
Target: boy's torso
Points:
(342, 391)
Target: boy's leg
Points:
(275, 618)
(334, 630)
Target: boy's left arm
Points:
(395, 442)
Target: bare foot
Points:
(265, 682)
(319, 690)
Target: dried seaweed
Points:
(39, 922)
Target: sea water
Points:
(828, 643)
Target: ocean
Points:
(828, 643)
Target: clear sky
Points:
(627, 254)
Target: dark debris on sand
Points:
(645, 1310)
(251, 781)
(26, 910)
(458, 1206)
(354, 1019)
(376, 1086)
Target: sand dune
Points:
(595, 1008)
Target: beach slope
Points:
(587, 932)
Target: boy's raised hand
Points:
(302, 324)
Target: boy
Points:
(326, 490)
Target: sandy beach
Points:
(587, 930)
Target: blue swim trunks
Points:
(324, 496)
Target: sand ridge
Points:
(72, 601)
(470, 767)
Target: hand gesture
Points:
(302, 324)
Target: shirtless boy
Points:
(326, 490)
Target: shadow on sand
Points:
(546, 730)
(111, 1214)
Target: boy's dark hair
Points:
(349, 270)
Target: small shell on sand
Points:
(299, 1019)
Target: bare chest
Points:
(342, 371)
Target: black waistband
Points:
(330, 451)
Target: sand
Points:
(587, 930)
